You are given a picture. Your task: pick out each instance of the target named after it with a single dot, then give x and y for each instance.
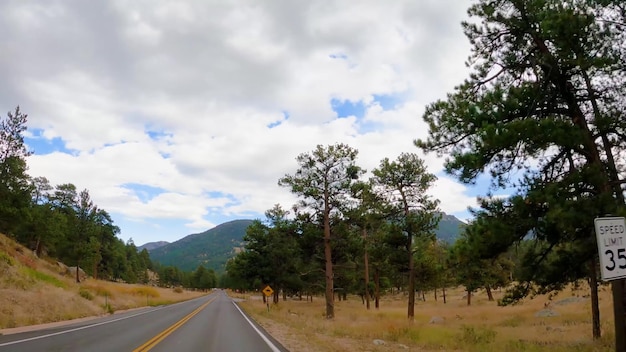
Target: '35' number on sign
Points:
(621, 257)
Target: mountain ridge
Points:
(152, 245)
(213, 247)
(449, 228)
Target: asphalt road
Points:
(209, 323)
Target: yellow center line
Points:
(158, 338)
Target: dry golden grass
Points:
(483, 326)
(33, 292)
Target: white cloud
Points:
(452, 195)
(211, 77)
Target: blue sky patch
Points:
(157, 135)
(345, 108)
(274, 124)
(145, 193)
(279, 122)
(389, 101)
(368, 126)
(40, 145)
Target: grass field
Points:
(483, 326)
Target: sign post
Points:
(611, 240)
(267, 291)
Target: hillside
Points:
(38, 291)
(211, 248)
(152, 245)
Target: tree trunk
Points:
(38, 247)
(411, 305)
(619, 294)
(595, 310)
(284, 295)
(367, 272)
(77, 273)
(435, 295)
(469, 297)
(444, 295)
(330, 304)
(489, 294)
(409, 247)
(377, 288)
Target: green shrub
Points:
(5, 258)
(109, 308)
(85, 294)
(477, 336)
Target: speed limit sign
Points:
(611, 239)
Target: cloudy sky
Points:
(180, 115)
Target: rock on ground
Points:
(546, 313)
(436, 320)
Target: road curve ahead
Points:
(209, 323)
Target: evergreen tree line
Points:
(199, 279)
(60, 221)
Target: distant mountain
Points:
(214, 247)
(152, 245)
(211, 248)
(449, 229)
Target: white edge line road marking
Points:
(91, 326)
(77, 329)
(267, 341)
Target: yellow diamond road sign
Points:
(267, 291)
